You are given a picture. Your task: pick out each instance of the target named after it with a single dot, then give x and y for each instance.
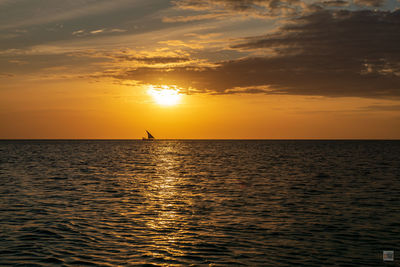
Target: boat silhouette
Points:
(150, 137)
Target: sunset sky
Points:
(264, 69)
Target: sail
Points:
(149, 136)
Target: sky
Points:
(207, 69)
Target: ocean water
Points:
(199, 203)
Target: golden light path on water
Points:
(167, 203)
(163, 194)
(178, 223)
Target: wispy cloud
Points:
(78, 32)
(122, 60)
(6, 75)
(18, 62)
(97, 31)
(180, 43)
(57, 10)
(117, 30)
(382, 108)
(198, 17)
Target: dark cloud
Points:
(327, 53)
(255, 90)
(371, 3)
(6, 75)
(150, 58)
(335, 3)
(267, 7)
(382, 108)
(254, 7)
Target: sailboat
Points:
(150, 137)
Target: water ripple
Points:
(180, 203)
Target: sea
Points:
(199, 202)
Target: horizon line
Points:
(200, 139)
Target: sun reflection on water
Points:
(164, 196)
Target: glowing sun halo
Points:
(165, 95)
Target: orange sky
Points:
(240, 73)
(103, 110)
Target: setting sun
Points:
(165, 95)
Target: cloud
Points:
(270, 9)
(326, 53)
(335, 3)
(118, 61)
(257, 8)
(117, 30)
(179, 43)
(245, 90)
(7, 75)
(57, 10)
(370, 3)
(155, 60)
(37, 50)
(18, 62)
(218, 15)
(78, 32)
(388, 108)
(98, 31)
(237, 5)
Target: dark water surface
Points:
(217, 203)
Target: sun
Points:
(165, 95)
